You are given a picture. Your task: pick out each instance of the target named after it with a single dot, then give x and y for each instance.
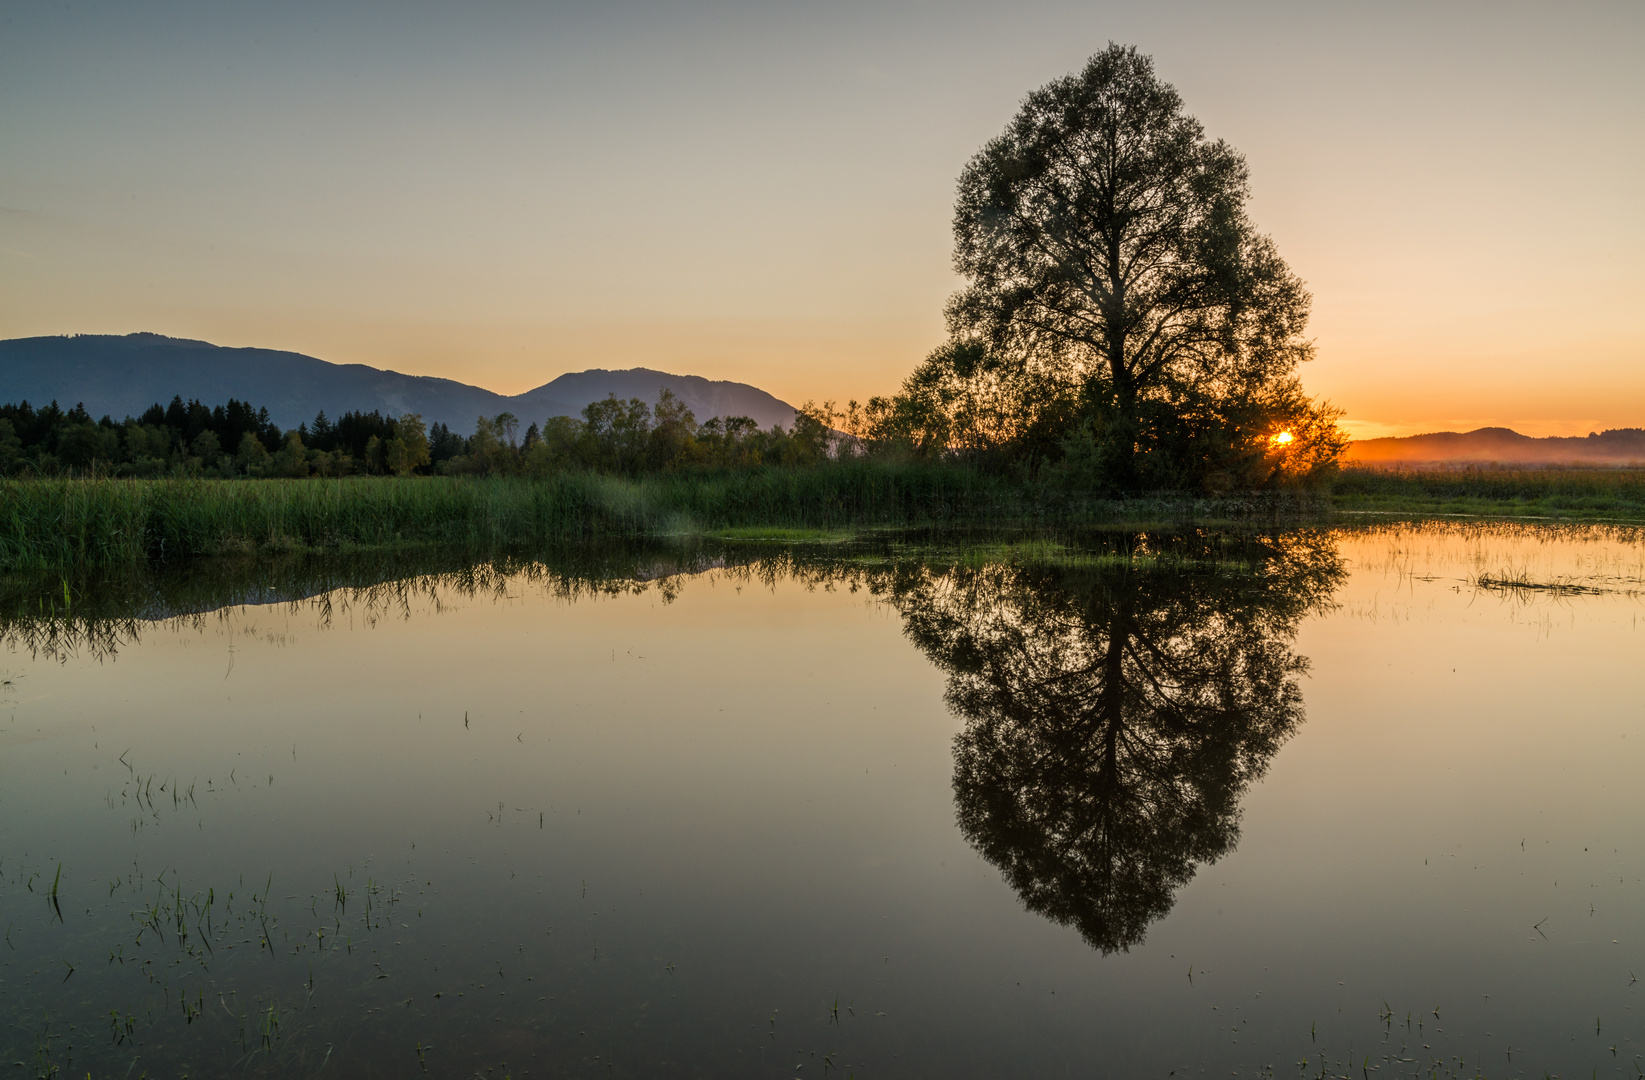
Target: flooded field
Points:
(1344, 802)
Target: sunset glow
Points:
(919, 506)
(766, 194)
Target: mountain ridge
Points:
(123, 374)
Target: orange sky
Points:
(763, 193)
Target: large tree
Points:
(1111, 261)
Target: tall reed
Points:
(1559, 492)
(53, 524)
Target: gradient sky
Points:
(501, 192)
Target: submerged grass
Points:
(59, 524)
(1519, 582)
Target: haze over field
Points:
(1500, 446)
(502, 193)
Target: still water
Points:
(1343, 802)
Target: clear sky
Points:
(501, 192)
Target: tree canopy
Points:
(1121, 309)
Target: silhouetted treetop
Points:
(1123, 320)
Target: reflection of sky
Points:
(756, 786)
(502, 192)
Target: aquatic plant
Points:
(56, 524)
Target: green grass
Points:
(1614, 495)
(47, 524)
(60, 524)
(785, 534)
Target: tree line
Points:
(1123, 327)
(193, 439)
(238, 439)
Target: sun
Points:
(1284, 438)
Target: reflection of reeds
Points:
(1521, 561)
(112, 606)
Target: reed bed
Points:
(1565, 494)
(56, 525)
(59, 523)
(49, 524)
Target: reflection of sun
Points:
(1282, 439)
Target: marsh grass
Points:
(60, 524)
(1557, 494)
(785, 534)
(1150, 551)
(1518, 581)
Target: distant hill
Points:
(1502, 446)
(707, 398)
(121, 376)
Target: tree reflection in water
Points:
(1114, 716)
(1115, 709)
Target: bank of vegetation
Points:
(1124, 328)
(52, 524)
(56, 524)
(1126, 347)
(1554, 493)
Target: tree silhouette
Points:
(1112, 267)
(1115, 717)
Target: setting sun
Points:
(1284, 438)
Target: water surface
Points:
(1319, 801)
